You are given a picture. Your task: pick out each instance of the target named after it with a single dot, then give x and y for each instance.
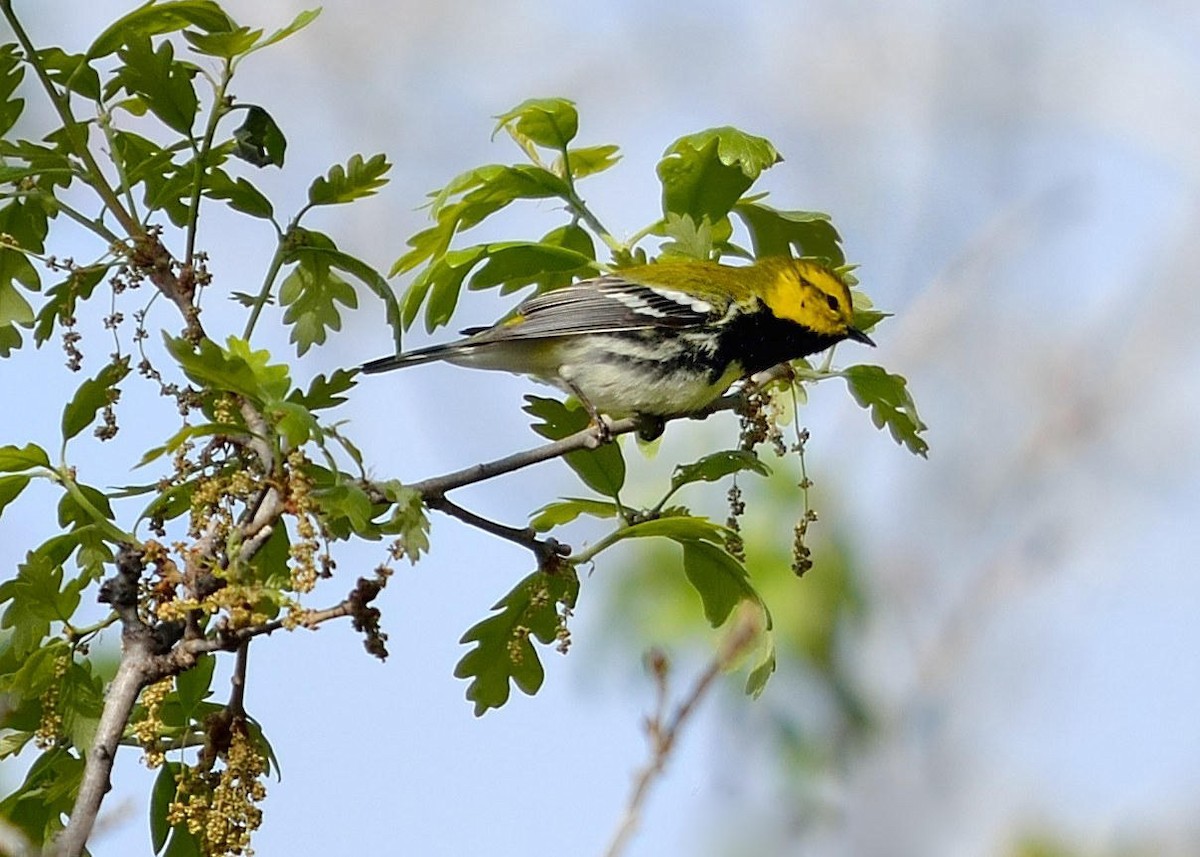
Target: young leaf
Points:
(224, 45)
(586, 161)
(46, 796)
(370, 278)
(890, 403)
(162, 83)
(601, 469)
(14, 458)
(71, 72)
(81, 701)
(704, 174)
(782, 233)
(38, 598)
(484, 191)
(11, 73)
(258, 140)
(298, 23)
(161, 796)
(515, 264)
(311, 294)
(153, 19)
(720, 580)
(717, 466)
(11, 488)
(678, 528)
(193, 686)
(235, 369)
(504, 652)
(548, 122)
(756, 682)
(568, 509)
(324, 393)
(239, 194)
(356, 180)
(92, 395)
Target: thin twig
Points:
(663, 733)
(547, 551)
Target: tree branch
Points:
(138, 643)
(547, 551)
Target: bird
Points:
(659, 340)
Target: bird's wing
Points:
(602, 305)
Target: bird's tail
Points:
(412, 358)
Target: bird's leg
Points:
(603, 432)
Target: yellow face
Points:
(814, 296)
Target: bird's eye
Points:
(833, 303)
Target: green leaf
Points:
(270, 564)
(14, 308)
(704, 174)
(73, 513)
(586, 161)
(163, 83)
(720, 580)
(45, 797)
(369, 277)
(240, 194)
(346, 510)
(12, 72)
(324, 393)
(81, 701)
(890, 403)
(224, 45)
(756, 682)
(14, 458)
(11, 488)
(568, 509)
(25, 225)
(442, 283)
(170, 504)
(161, 796)
(298, 23)
(312, 291)
(186, 433)
(717, 466)
(356, 180)
(782, 233)
(515, 264)
(194, 686)
(571, 237)
(408, 520)
(504, 652)
(92, 395)
(294, 423)
(601, 469)
(70, 71)
(234, 369)
(156, 18)
(548, 122)
(693, 240)
(259, 139)
(484, 191)
(38, 598)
